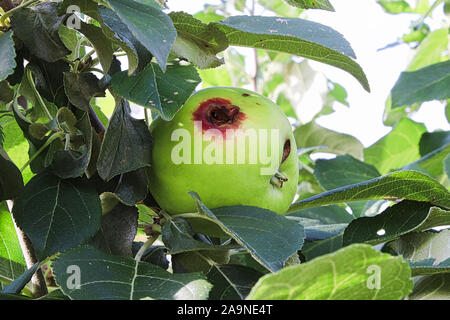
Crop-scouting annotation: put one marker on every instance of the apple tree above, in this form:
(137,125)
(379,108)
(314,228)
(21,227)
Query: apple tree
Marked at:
(85,86)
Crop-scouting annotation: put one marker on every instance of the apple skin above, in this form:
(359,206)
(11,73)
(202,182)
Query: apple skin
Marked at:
(220,185)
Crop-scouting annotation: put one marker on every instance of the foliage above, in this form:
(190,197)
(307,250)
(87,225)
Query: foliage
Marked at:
(73,158)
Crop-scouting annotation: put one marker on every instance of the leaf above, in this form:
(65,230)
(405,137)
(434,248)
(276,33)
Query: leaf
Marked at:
(409,185)
(164,93)
(401,6)
(198,42)
(319,248)
(431,163)
(152,27)
(178,237)
(107,277)
(126,146)
(73,163)
(313,135)
(435,287)
(401,218)
(431,141)
(11,181)
(100,42)
(426,84)
(18,284)
(430,50)
(312,4)
(9,271)
(232,282)
(253,228)
(326,215)
(57,214)
(7,55)
(38,27)
(9,245)
(398,148)
(81,87)
(427,252)
(118,32)
(342,171)
(117,231)
(295,36)
(357,272)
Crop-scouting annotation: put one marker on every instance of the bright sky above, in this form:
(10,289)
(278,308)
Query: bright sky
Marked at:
(367,27)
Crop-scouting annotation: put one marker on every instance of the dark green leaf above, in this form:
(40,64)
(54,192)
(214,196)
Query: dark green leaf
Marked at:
(198,42)
(9,271)
(117,231)
(11,181)
(126,146)
(152,27)
(327,214)
(161,92)
(37,27)
(431,141)
(118,32)
(295,36)
(18,284)
(253,228)
(426,84)
(409,185)
(106,277)
(434,287)
(7,56)
(57,214)
(81,88)
(401,218)
(232,282)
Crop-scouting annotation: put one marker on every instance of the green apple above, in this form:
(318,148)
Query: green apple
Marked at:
(231,146)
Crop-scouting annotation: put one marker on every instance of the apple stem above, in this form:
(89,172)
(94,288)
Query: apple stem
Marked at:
(278,179)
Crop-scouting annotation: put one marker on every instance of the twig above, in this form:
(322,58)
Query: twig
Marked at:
(95,121)
(38,280)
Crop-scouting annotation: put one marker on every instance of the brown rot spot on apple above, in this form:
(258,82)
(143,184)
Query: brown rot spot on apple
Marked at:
(245,95)
(218,113)
(286,150)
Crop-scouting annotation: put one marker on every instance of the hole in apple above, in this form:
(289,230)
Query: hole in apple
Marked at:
(223,114)
(286,150)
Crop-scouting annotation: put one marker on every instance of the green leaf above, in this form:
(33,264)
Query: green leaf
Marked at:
(253,228)
(152,27)
(399,219)
(198,42)
(280,8)
(81,87)
(402,6)
(18,284)
(57,214)
(117,232)
(231,282)
(431,163)
(118,32)
(126,146)
(409,185)
(8,55)
(164,93)
(319,248)
(9,245)
(9,271)
(311,4)
(38,27)
(313,135)
(431,141)
(430,50)
(108,277)
(357,272)
(342,171)
(326,215)
(73,163)
(427,252)
(435,287)
(426,84)
(295,36)
(178,237)
(11,181)
(398,148)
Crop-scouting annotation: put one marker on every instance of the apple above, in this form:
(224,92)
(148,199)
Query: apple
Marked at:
(231,146)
